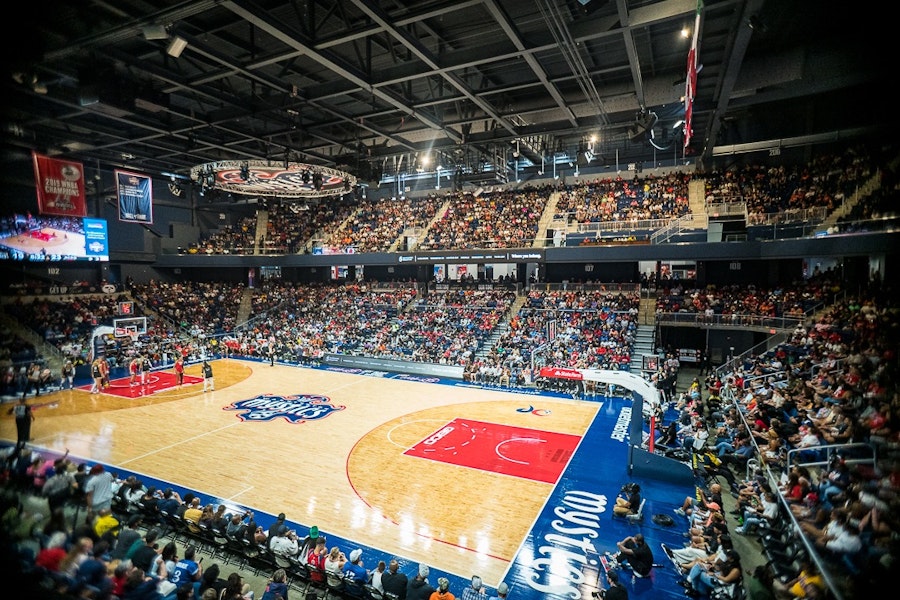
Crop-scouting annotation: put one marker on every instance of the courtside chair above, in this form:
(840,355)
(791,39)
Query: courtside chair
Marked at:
(335,585)
(234,551)
(298,576)
(372,593)
(213,543)
(638,516)
(317,581)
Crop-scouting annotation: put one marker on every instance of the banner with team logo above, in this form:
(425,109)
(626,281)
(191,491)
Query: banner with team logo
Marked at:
(135,195)
(60,186)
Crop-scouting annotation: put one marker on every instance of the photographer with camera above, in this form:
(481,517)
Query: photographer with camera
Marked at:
(616,590)
(629,500)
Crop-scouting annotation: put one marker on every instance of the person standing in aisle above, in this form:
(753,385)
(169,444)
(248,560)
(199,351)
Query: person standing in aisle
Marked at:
(705,364)
(24,419)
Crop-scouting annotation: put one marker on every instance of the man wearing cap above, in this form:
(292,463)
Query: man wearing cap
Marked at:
(473,591)
(395,581)
(443,590)
(284,543)
(99,489)
(354,569)
(419,588)
(502,592)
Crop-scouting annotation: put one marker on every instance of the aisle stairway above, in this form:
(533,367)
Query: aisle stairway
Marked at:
(421,233)
(501,328)
(644,343)
(868,188)
(262,227)
(647,311)
(540,239)
(245,310)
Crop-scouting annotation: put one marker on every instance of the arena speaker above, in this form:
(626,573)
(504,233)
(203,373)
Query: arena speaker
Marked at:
(642,126)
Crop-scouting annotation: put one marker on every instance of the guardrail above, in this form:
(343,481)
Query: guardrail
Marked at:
(733,321)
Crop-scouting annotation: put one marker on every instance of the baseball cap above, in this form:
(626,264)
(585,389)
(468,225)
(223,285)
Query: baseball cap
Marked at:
(354,556)
(313,532)
(504,589)
(423,571)
(443,584)
(714,506)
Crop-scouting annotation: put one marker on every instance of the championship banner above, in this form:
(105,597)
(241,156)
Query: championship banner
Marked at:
(60,186)
(690,85)
(135,194)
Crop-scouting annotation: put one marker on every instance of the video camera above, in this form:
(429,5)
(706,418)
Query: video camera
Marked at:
(630,488)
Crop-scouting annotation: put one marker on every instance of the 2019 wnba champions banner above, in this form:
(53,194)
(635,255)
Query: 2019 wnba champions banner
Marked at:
(60,186)
(135,194)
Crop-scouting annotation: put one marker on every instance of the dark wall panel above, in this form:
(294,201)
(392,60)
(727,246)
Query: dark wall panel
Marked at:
(616,272)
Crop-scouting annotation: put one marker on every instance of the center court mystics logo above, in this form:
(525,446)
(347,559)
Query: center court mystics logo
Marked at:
(294,409)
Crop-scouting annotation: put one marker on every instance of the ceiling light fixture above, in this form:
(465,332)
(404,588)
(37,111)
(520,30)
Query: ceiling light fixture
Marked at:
(176,46)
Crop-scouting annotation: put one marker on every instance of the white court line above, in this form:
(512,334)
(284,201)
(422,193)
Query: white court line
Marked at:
(190,439)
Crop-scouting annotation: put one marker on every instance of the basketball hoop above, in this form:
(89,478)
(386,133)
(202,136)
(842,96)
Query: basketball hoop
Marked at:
(129,331)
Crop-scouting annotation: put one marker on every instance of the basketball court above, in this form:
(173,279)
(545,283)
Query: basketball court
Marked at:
(47,240)
(514,487)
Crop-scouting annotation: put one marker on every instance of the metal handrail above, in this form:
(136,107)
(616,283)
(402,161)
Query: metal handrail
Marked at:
(737,321)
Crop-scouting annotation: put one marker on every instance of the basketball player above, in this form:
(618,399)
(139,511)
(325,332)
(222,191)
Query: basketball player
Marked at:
(145,369)
(68,375)
(134,368)
(179,370)
(97,375)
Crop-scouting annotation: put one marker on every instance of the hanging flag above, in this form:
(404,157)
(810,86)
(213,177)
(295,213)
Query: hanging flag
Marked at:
(60,186)
(135,194)
(690,85)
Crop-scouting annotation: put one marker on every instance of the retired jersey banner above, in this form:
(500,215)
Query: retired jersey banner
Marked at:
(135,194)
(60,186)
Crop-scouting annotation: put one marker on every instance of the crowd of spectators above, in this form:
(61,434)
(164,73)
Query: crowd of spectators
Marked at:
(230,239)
(509,218)
(293,228)
(833,381)
(825,181)
(738,300)
(500,219)
(212,306)
(376,225)
(821,411)
(619,199)
(140,542)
